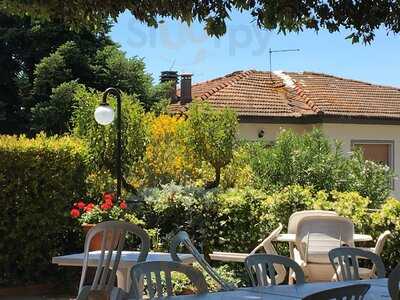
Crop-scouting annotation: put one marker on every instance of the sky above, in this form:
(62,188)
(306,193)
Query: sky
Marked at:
(176,46)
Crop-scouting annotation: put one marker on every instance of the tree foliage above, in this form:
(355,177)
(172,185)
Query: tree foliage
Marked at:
(211,135)
(108,66)
(101,139)
(312,160)
(167,157)
(24,42)
(54,116)
(111,67)
(362,18)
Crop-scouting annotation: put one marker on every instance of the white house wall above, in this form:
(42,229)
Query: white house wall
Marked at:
(346,133)
(249,131)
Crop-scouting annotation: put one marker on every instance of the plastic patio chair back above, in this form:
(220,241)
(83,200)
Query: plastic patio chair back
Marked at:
(323,232)
(296,217)
(269,248)
(261,268)
(113,240)
(157,285)
(345,262)
(183,238)
(267,243)
(355,291)
(381,242)
(393,283)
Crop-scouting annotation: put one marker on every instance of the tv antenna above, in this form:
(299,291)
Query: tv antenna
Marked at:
(172,65)
(277,51)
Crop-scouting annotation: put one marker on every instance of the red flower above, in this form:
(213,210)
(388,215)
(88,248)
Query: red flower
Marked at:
(108,198)
(123,205)
(88,207)
(81,205)
(75,213)
(106,206)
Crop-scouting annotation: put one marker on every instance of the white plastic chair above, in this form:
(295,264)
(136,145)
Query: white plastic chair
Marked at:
(393,283)
(153,270)
(366,273)
(316,236)
(296,217)
(113,240)
(183,238)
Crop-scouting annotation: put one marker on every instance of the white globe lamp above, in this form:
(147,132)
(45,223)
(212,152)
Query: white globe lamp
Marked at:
(104,114)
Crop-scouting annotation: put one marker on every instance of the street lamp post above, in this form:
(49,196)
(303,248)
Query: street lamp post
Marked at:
(104,115)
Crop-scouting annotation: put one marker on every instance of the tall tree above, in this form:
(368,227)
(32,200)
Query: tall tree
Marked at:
(57,75)
(211,136)
(23,43)
(363,18)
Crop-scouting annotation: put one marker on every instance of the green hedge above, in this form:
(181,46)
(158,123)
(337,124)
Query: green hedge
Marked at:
(39,180)
(238,219)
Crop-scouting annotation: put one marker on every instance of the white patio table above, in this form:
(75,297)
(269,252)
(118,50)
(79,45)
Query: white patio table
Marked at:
(128,259)
(283,237)
(377,291)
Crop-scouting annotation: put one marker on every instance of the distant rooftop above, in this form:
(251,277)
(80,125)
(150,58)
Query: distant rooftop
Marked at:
(297,95)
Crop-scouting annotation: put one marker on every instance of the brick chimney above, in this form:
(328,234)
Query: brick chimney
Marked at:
(186,87)
(171,76)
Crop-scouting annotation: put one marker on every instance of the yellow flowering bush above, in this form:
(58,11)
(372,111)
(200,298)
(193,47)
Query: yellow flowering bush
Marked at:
(166,156)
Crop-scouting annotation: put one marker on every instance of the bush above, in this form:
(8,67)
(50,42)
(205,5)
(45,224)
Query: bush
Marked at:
(217,220)
(311,160)
(167,158)
(238,172)
(277,207)
(388,218)
(347,204)
(39,180)
(101,139)
(237,220)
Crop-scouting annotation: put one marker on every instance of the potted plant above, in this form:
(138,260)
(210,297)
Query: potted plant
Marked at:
(91,211)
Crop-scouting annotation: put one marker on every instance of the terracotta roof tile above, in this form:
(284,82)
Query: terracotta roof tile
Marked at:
(255,93)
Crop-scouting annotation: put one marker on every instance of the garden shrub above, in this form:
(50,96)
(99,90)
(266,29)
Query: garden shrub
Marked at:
(167,158)
(305,159)
(388,218)
(277,207)
(312,160)
(100,139)
(39,179)
(370,179)
(215,219)
(238,172)
(347,204)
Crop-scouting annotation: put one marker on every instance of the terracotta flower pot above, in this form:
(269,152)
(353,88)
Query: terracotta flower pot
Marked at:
(95,243)
(187,291)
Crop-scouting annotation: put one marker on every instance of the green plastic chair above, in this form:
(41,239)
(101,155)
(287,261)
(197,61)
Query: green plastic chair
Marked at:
(393,283)
(157,286)
(262,272)
(350,292)
(345,262)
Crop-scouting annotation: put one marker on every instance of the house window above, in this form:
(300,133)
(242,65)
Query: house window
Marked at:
(378,151)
